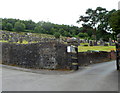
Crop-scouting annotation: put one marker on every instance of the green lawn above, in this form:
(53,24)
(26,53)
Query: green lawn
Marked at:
(99,48)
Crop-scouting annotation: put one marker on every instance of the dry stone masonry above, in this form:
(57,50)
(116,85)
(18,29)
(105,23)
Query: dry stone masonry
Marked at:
(48,55)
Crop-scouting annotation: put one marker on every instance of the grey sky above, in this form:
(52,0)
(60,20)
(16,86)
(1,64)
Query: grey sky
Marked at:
(55,11)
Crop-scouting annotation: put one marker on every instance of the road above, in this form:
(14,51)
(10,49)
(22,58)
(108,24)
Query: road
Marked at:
(96,77)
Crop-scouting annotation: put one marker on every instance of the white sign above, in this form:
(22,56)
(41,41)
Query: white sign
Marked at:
(70,49)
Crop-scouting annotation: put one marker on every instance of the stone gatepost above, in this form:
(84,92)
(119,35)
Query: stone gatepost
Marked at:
(118,52)
(72,50)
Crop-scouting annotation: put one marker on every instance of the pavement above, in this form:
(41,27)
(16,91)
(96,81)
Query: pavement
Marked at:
(95,77)
(39,71)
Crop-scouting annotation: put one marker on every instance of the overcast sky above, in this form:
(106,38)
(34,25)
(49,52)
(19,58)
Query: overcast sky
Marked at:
(55,11)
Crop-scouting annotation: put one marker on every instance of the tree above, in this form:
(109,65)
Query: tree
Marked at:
(3,25)
(53,31)
(97,19)
(38,29)
(67,34)
(30,25)
(87,29)
(115,22)
(61,31)
(83,35)
(19,26)
(47,26)
(11,20)
(57,35)
(9,27)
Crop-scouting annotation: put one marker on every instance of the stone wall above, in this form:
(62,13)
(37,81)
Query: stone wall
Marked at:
(0,53)
(95,57)
(48,55)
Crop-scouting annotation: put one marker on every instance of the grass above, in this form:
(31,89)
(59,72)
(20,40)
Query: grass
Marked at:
(99,48)
(3,41)
(24,42)
(84,43)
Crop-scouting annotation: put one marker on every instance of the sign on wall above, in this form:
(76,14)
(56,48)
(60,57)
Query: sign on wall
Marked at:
(71,49)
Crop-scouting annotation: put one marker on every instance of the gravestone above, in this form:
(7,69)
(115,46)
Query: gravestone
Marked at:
(11,39)
(78,40)
(101,42)
(15,39)
(87,41)
(90,43)
(110,41)
(105,44)
(5,37)
(0,35)
(95,43)
(21,40)
(27,38)
(118,38)
(84,40)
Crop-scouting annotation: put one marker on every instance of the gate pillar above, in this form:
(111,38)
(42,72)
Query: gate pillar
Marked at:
(73,53)
(118,52)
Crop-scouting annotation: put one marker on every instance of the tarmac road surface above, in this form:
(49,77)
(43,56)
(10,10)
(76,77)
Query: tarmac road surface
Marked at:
(96,77)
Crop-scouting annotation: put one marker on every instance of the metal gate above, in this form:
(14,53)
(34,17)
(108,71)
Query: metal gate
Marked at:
(118,52)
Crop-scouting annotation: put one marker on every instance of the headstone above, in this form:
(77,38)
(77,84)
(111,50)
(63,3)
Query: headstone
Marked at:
(110,41)
(78,40)
(21,40)
(101,42)
(84,41)
(105,44)
(11,39)
(95,43)
(90,43)
(5,37)
(0,35)
(118,38)
(87,41)
(16,39)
